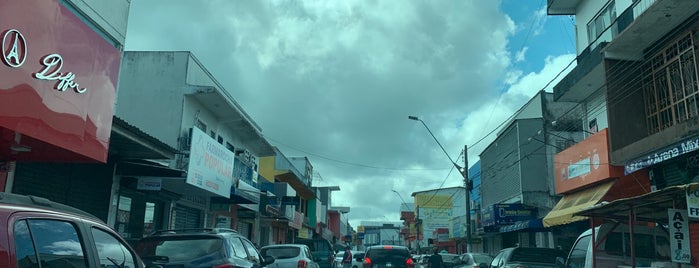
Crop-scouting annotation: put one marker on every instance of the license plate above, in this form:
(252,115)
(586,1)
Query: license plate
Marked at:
(388,264)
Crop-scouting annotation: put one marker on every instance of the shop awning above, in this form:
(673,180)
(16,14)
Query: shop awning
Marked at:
(145,168)
(563,212)
(533,224)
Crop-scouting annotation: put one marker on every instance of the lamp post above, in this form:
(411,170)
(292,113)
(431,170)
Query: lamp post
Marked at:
(464,174)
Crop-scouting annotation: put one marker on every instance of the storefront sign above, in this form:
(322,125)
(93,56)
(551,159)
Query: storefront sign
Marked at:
(679,236)
(210,164)
(692,197)
(500,214)
(223,222)
(297,223)
(149,184)
(584,164)
(662,155)
(43,60)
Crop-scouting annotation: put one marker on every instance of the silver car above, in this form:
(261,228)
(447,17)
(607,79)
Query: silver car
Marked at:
(289,256)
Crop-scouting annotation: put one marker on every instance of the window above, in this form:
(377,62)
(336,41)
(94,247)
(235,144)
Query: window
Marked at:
(579,252)
(669,85)
(599,23)
(52,243)
(238,248)
(111,251)
(252,251)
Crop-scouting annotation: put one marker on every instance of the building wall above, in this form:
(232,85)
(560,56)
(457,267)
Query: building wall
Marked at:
(109,16)
(148,76)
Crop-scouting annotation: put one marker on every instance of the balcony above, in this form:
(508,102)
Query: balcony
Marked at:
(584,79)
(643,24)
(562,7)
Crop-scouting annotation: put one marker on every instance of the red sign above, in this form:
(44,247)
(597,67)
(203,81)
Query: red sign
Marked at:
(58,81)
(584,163)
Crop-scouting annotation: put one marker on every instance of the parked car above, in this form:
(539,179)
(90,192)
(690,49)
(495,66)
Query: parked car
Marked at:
(526,257)
(474,260)
(199,248)
(289,256)
(38,232)
(387,256)
(322,250)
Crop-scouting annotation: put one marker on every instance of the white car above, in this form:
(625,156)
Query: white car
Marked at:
(289,256)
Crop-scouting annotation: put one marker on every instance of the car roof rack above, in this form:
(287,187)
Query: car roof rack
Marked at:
(194,231)
(41,202)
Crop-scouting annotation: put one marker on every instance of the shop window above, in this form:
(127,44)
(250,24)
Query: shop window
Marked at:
(669,85)
(111,251)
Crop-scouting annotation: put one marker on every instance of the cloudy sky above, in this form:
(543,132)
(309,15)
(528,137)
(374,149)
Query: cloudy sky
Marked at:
(336,80)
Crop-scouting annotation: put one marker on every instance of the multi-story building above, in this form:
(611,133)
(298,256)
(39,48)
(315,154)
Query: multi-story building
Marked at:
(517,176)
(636,83)
(218,144)
(434,211)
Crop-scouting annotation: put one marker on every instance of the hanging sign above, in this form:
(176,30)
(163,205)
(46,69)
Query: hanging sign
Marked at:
(692,198)
(679,235)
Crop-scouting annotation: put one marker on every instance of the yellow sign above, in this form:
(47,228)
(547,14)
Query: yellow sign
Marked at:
(360,229)
(433,201)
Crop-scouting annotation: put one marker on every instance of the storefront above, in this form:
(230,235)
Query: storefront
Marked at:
(58,79)
(585,178)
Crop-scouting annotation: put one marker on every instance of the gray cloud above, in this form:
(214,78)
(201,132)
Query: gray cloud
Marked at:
(336,80)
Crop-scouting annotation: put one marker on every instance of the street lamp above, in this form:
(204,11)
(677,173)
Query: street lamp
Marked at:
(464,174)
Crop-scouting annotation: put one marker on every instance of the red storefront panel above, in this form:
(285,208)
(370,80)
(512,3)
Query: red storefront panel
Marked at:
(585,163)
(57,84)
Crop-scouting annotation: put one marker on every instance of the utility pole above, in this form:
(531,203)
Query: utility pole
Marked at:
(418,232)
(467,187)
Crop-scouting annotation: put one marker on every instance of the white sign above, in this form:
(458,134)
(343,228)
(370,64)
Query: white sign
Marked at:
(693,201)
(679,235)
(210,165)
(149,184)
(223,222)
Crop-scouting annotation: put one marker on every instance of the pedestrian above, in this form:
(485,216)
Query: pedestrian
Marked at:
(435,260)
(347,258)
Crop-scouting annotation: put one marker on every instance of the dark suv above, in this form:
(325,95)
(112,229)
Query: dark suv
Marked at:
(204,247)
(36,232)
(322,251)
(388,257)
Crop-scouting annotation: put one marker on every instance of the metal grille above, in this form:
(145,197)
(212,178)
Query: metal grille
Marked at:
(186,217)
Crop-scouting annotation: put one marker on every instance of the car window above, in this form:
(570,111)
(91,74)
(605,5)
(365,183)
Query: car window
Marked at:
(579,252)
(542,255)
(238,248)
(281,252)
(479,258)
(496,261)
(111,251)
(252,251)
(52,243)
(172,247)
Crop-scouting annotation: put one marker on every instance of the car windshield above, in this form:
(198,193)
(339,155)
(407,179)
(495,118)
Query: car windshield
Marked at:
(281,252)
(178,249)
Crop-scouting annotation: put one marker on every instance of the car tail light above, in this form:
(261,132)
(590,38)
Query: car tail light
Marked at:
(367,262)
(409,263)
(302,264)
(227,265)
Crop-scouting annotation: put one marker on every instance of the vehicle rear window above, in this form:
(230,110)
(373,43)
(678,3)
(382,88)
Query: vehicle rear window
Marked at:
(391,255)
(173,248)
(281,252)
(541,255)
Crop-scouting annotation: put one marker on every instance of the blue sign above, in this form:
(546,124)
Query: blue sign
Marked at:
(502,214)
(662,155)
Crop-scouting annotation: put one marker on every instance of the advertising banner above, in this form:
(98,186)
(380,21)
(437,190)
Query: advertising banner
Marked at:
(679,235)
(210,165)
(693,201)
(505,214)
